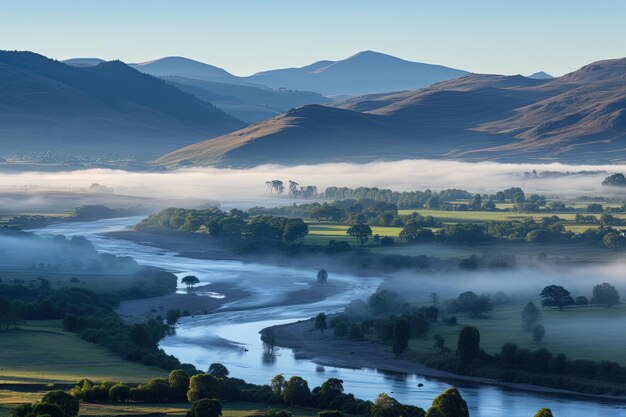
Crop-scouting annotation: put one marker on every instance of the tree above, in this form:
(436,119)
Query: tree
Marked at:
(218,371)
(605,294)
(119,393)
(474,305)
(544,412)
(614,241)
(530,316)
(295,229)
(173,316)
(320,322)
(330,389)
(618,180)
(68,403)
(361,232)
(278,384)
(322,276)
(202,386)
(556,296)
(179,384)
(448,404)
(190,281)
(538,333)
(414,232)
(205,408)
(46,409)
(401,334)
(468,345)
(386,406)
(296,391)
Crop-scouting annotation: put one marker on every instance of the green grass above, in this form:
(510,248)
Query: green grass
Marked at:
(41,352)
(322,233)
(11,399)
(594,333)
(483,216)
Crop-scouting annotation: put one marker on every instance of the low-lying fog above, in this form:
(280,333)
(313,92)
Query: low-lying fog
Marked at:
(523,283)
(246,186)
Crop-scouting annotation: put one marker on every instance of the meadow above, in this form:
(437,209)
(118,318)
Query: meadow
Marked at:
(41,352)
(577,332)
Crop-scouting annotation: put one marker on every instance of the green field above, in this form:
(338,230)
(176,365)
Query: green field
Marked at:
(41,352)
(322,233)
(447,216)
(10,399)
(594,333)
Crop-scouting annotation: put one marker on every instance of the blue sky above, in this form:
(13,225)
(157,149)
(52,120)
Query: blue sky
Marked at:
(245,36)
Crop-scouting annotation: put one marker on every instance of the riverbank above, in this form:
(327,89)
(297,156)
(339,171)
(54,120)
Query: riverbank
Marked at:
(326,350)
(195,303)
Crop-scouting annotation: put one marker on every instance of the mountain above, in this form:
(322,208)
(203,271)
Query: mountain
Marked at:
(176,66)
(83,62)
(47,105)
(248,103)
(578,118)
(540,76)
(365,72)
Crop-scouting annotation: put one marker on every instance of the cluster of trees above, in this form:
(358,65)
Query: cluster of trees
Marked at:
(197,388)
(404,200)
(53,404)
(92,315)
(295,190)
(548,230)
(538,367)
(386,315)
(556,296)
(235,225)
(531,315)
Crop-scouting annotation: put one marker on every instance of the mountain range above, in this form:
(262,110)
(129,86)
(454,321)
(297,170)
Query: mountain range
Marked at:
(579,117)
(47,105)
(365,72)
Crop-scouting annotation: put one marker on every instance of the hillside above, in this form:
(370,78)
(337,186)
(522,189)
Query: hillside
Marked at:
(246,102)
(176,66)
(365,72)
(47,105)
(580,117)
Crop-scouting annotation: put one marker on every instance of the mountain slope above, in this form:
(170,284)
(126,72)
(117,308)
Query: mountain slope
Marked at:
(245,102)
(46,105)
(365,72)
(176,66)
(580,117)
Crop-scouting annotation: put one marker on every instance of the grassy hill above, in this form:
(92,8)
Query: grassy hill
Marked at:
(47,105)
(580,118)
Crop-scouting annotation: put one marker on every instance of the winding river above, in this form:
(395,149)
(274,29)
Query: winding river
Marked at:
(231,336)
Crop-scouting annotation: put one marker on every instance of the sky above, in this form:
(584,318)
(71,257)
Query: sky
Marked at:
(246,36)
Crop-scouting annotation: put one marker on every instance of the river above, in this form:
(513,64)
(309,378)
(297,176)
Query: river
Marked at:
(231,337)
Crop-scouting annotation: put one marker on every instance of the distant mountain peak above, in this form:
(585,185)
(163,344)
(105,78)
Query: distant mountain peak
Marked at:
(540,75)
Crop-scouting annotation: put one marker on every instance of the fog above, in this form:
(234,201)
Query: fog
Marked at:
(246,186)
(519,283)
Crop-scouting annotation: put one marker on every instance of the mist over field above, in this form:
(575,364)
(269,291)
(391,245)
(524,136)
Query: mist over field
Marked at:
(229,185)
(523,283)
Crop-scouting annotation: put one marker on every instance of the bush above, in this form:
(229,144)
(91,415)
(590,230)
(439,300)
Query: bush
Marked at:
(205,408)
(68,404)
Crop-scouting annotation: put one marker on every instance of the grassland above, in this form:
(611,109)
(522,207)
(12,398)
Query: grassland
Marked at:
(41,352)
(594,333)
(447,216)
(322,233)
(9,399)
